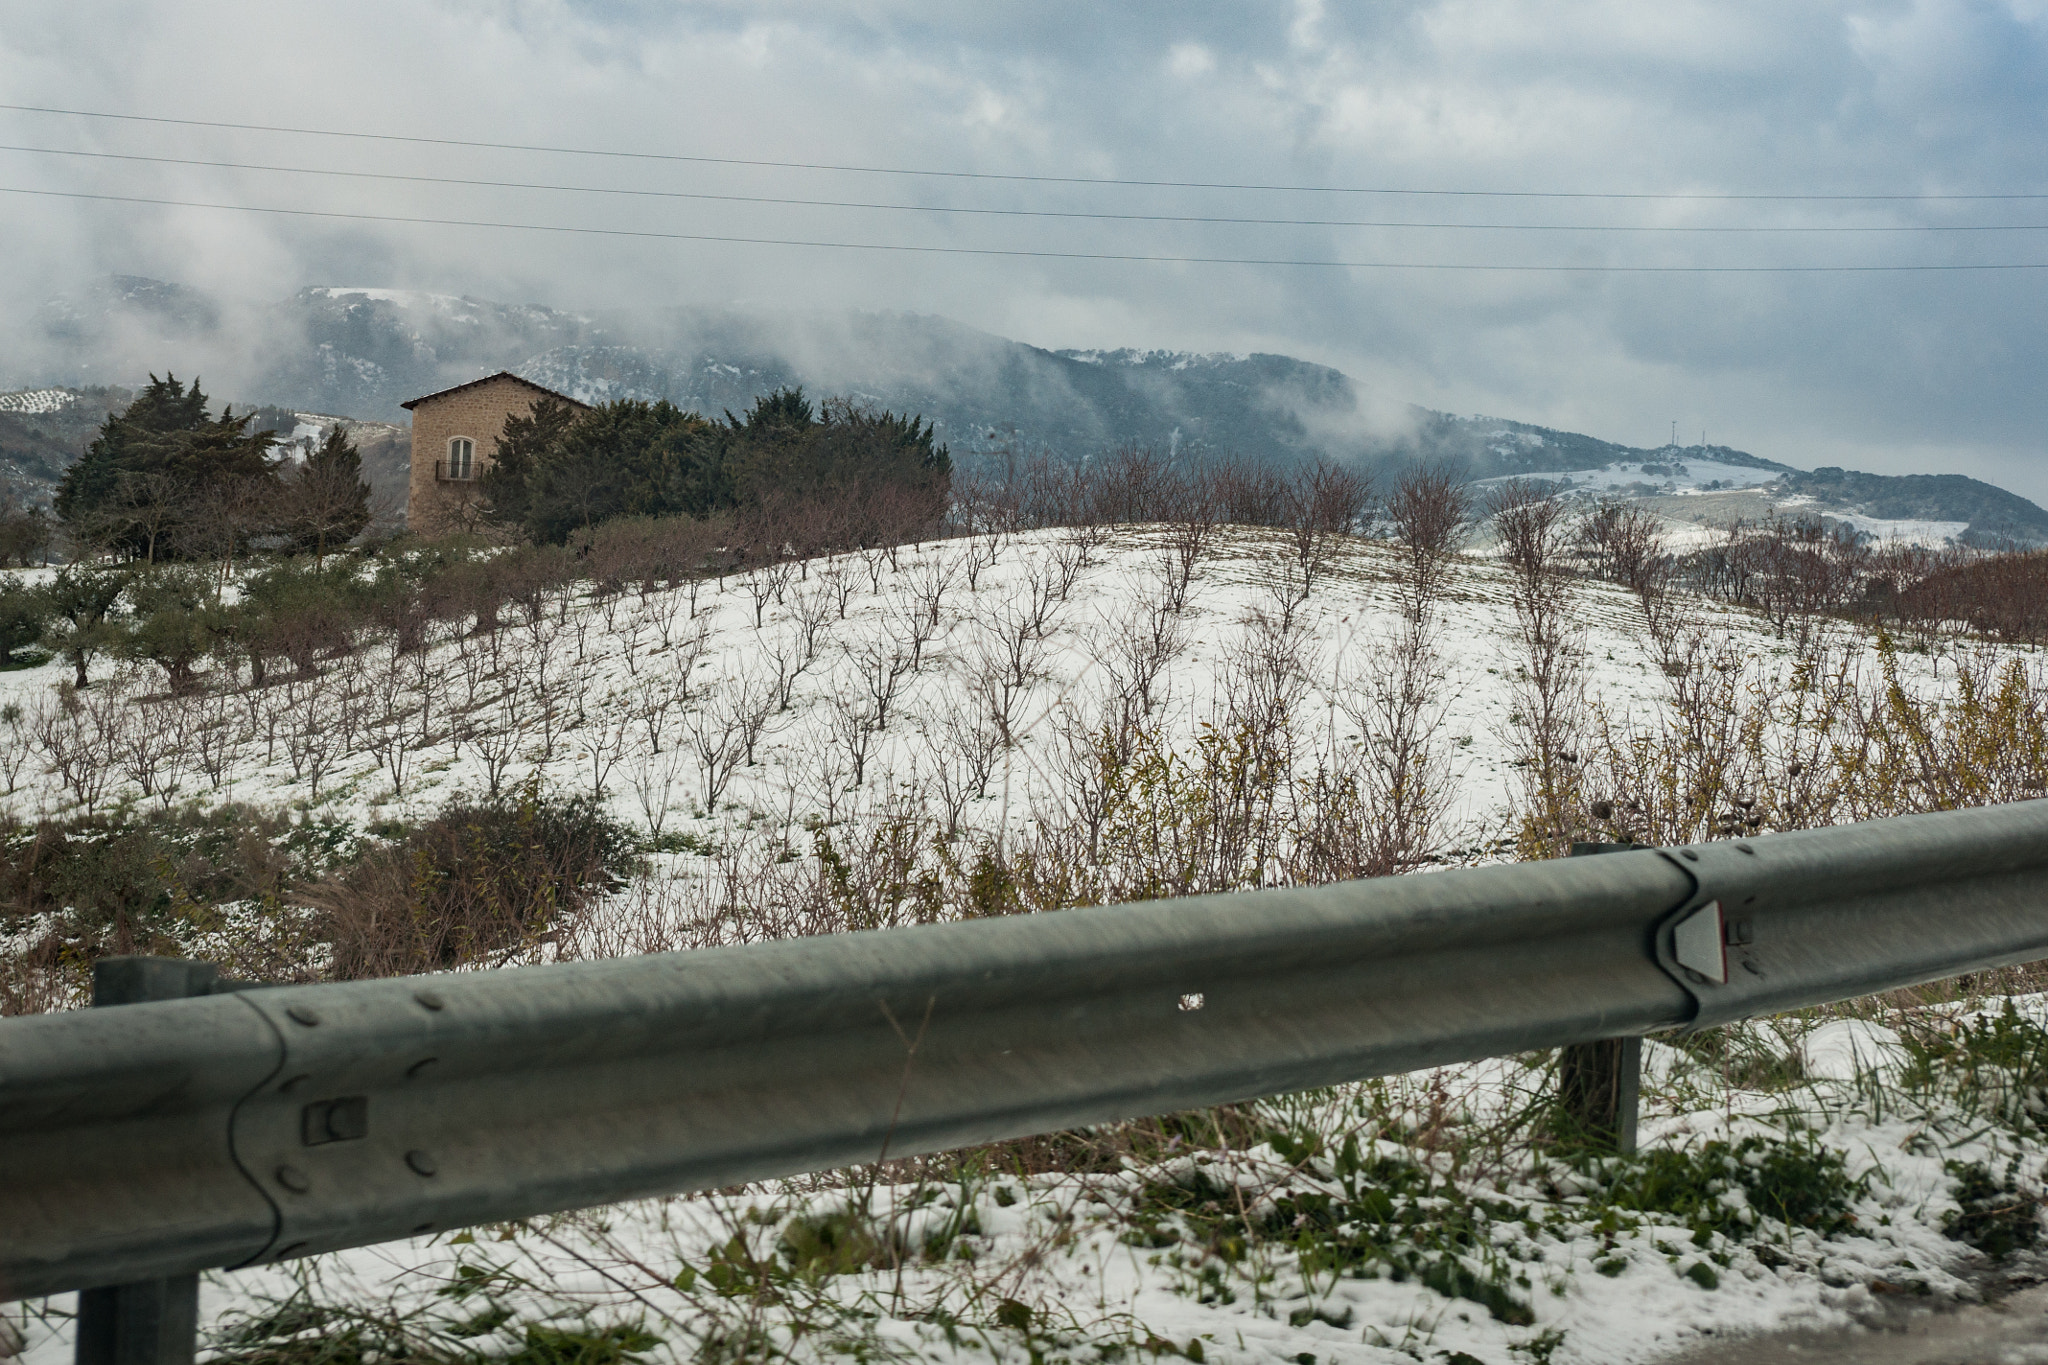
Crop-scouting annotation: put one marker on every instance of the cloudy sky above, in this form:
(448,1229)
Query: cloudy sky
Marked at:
(1387,136)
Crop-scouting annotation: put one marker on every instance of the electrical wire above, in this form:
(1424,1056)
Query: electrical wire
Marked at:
(1002,176)
(702,196)
(1038,254)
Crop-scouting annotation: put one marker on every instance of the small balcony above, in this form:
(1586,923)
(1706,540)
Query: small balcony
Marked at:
(454,471)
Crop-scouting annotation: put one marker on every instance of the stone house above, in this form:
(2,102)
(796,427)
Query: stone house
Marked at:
(454,439)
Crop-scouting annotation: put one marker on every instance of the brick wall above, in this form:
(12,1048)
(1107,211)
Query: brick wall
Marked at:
(433,505)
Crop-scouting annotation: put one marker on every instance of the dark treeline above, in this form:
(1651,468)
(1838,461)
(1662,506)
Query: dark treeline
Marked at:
(165,479)
(834,475)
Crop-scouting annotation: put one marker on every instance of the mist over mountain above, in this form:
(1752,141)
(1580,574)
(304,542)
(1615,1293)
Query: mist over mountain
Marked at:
(361,352)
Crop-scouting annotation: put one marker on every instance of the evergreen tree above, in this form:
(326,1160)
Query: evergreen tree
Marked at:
(139,487)
(23,610)
(559,471)
(326,502)
(82,598)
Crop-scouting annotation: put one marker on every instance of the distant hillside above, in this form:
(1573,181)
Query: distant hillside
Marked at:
(1994,514)
(365,351)
(43,430)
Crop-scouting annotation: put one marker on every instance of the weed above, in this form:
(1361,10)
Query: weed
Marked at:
(1995,1215)
(1733,1188)
(1996,1066)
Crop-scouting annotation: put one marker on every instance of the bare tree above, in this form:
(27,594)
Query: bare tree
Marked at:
(605,734)
(1545,731)
(654,782)
(1325,502)
(722,731)
(880,664)
(312,744)
(1190,536)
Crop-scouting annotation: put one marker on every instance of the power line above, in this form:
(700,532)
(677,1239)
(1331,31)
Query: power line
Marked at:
(702,196)
(1040,255)
(996,175)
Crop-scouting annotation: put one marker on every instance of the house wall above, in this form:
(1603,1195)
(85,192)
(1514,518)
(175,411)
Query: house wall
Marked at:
(435,505)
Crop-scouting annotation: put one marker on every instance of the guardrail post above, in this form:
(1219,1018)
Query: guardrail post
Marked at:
(154,1322)
(1599,1083)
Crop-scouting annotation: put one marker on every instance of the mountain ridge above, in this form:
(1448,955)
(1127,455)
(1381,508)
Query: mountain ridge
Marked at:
(364,350)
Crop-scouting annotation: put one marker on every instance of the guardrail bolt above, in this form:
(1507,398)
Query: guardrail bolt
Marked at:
(1600,1083)
(153,1322)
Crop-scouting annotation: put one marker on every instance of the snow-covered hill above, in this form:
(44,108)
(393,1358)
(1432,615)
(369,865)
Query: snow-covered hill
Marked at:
(852,721)
(855,688)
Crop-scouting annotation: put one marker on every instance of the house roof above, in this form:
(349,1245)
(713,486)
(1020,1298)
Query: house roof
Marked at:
(502,374)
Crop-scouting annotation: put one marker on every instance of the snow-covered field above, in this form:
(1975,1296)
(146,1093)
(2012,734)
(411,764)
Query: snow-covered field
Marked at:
(1677,475)
(839,694)
(636,690)
(34,401)
(1713,485)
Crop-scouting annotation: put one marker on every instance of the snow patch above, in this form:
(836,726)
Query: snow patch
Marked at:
(35,401)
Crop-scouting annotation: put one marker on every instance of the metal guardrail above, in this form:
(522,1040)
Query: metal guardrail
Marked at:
(155,1140)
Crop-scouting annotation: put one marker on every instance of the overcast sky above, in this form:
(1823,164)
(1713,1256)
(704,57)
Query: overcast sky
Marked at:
(1895,372)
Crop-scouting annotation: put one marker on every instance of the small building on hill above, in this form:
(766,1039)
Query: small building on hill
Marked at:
(454,440)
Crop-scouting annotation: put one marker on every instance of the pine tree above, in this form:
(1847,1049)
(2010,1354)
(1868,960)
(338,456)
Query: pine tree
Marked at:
(326,503)
(139,487)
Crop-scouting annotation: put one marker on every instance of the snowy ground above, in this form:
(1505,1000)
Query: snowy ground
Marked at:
(34,401)
(629,688)
(1194,1249)
(1447,1243)
(1698,498)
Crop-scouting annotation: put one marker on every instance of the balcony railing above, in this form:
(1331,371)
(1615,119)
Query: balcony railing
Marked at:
(445,472)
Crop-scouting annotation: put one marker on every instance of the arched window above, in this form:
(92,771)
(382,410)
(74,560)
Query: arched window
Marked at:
(461,463)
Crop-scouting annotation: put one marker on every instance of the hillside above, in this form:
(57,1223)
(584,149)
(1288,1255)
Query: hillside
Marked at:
(1993,514)
(364,351)
(813,748)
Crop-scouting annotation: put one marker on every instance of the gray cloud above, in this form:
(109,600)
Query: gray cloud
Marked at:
(1888,372)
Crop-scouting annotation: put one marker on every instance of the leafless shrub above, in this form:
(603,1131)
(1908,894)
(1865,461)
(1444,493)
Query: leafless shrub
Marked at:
(604,735)
(1249,494)
(654,782)
(1144,645)
(1427,512)
(911,622)
(851,724)
(788,663)
(312,744)
(725,728)
(880,665)
(1402,776)
(1191,526)
(970,737)
(497,734)
(76,740)
(767,584)
(17,746)
(1007,658)
(264,712)
(1124,487)
(216,737)
(1325,502)
(1396,789)
(811,613)
(1545,732)
(393,734)
(930,578)
(150,748)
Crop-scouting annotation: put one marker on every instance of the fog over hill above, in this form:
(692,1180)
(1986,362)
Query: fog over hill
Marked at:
(364,351)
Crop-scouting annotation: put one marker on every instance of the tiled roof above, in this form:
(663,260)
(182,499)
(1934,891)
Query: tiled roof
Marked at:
(502,374)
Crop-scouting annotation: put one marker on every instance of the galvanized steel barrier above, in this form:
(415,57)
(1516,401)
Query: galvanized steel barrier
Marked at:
(155,1140)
